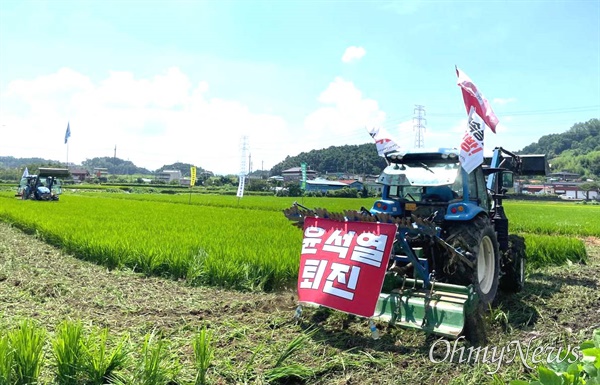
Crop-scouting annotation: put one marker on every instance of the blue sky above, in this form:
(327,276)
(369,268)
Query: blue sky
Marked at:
(170,81)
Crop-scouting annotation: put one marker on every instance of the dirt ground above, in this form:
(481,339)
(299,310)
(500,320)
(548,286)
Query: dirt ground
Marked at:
(560,306)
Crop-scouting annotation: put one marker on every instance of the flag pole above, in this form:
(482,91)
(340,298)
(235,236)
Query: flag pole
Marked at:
(67,135)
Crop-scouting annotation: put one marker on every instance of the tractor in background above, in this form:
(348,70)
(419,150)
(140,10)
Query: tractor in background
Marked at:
(452,250)
(45,186)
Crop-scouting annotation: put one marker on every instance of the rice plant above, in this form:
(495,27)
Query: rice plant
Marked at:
(216,242)
(203,354)
(6,361)
(553,218)
(244,249)
(294,371)
(27,341)
(98,362)
(155,366)
(67,351)
(266,203)
(545,250)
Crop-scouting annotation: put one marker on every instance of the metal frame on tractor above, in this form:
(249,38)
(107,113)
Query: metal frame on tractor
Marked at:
(452,248)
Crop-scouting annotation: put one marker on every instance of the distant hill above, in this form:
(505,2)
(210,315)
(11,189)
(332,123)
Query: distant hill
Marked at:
(12,168)
(12,162)
(185,169)
(357,159)
(576,150)
(114,165)
(580,139)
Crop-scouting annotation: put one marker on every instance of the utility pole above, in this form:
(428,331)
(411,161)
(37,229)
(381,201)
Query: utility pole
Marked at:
(419,123)
(250,163)
(115,154)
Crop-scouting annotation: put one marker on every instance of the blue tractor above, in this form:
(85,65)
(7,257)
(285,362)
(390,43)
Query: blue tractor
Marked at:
(46,185)
(452,250)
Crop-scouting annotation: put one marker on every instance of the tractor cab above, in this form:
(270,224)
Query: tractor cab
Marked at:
(430,184)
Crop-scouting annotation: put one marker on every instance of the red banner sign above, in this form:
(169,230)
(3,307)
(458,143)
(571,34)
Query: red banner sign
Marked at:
(343,264)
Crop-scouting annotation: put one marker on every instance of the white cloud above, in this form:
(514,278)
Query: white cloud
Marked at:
(167,118)
(152,121)
(504,101)
(344,116)
(353,53)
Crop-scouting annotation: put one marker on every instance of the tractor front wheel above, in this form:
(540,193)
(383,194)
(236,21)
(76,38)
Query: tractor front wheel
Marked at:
(478,238)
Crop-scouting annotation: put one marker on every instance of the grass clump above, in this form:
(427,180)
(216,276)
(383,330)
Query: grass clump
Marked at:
(67,350)
(27,341)
(6,360)
(156,365)
(203,354)
(101,364)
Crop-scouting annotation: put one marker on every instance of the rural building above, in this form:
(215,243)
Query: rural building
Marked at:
(566,190)
(571,190)
(565,176)
(352,183)
(295,174)
(168,176)
(101,173)
(276,179)
(79,175)
(324,185)
(370,181)
(375,187)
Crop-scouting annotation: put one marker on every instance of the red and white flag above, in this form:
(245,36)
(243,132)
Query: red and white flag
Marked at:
(474,98)
(471,147)
(383,141)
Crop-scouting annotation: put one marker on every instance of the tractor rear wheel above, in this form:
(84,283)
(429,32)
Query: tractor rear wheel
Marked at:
(513,265)
(478,238)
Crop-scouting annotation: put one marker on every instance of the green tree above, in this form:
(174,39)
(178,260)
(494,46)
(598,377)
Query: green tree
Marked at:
(590,186)
(257,185)
(293,189)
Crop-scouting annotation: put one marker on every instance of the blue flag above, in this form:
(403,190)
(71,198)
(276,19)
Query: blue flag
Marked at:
(68,133)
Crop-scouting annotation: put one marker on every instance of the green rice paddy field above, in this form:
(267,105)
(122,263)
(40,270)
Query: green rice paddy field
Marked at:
(230,266)
(243,244)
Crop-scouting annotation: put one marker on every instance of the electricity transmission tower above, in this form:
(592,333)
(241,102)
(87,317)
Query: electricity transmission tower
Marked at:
(242,175)
(419,123)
